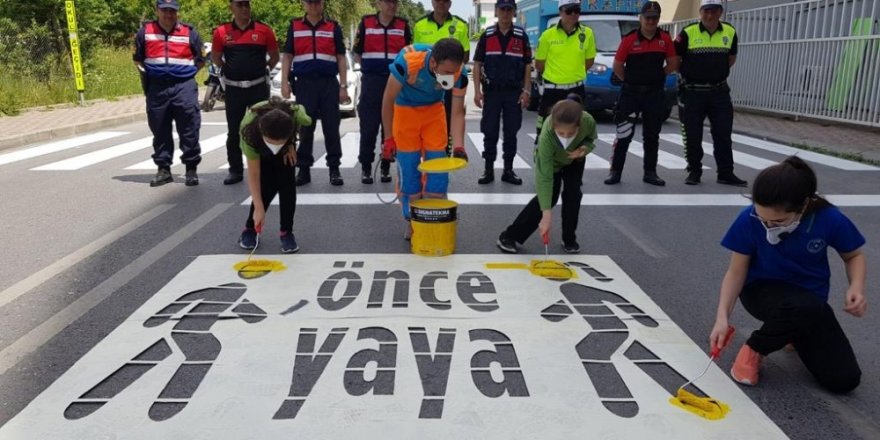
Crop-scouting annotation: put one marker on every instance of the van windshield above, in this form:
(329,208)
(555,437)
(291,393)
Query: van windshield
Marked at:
(608,33)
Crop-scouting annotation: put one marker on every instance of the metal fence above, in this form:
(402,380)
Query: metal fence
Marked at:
(813,58)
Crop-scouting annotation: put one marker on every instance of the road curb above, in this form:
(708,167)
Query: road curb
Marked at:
(69,130)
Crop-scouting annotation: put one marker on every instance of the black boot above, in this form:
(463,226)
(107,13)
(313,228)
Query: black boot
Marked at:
(385,170)
(192,177)
(613,178)
(488,174)
(335,177)
(304,176)
(510,177)
(652,178)
(163,176)
(693,177)
(366,174)
(728,178)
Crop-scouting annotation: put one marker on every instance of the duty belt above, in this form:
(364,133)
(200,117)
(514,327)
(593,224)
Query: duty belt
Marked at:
(243,84)
(548,85)
(704,86)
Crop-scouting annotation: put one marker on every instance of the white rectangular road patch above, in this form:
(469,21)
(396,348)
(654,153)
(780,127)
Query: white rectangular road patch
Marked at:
(518,162)
(207,146)
(378,344)
(821,159)
(351,148)
(54,147)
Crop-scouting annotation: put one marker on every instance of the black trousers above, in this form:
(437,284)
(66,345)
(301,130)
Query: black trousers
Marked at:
(498,106)
(549,98)
(176,101)
(693,108)
(277,178)
(633,101)
(794,315)
(320,99)
(567,181)
(237,102)
(370,115)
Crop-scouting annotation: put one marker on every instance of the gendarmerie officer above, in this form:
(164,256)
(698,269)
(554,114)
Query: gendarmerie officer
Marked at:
(707,50)
(502,67)
(169,53)
(244,49)
(379,38)
(644,57)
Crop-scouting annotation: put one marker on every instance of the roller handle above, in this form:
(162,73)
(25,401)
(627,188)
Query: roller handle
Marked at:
(716,351)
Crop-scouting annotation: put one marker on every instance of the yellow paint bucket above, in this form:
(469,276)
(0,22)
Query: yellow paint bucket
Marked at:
(434,223)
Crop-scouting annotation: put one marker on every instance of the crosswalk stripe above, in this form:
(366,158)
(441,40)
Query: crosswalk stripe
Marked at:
(611,199)
(207,145)
(594,161)
(746,160)
(351,146)
(477,140)
(225,166)
(664,159)
(821,159)
(95,157)
(53,147)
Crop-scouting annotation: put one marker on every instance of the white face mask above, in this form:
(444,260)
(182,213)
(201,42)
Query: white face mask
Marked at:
(274,147)
(445,81)
(777,233)
(565,141)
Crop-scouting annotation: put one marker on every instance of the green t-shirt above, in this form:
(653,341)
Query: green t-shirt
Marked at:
(550,157)
(300,118)
(428,31)
(564,54)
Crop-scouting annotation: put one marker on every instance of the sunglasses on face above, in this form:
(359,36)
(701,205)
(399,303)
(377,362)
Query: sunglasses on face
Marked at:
(571,11)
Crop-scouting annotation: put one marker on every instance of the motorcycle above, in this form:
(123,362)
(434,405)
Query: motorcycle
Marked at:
(216,91)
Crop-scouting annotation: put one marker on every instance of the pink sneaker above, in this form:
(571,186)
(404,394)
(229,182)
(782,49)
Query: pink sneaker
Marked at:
(747,366)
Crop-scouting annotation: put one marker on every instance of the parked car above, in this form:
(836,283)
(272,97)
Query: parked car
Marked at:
(353,86)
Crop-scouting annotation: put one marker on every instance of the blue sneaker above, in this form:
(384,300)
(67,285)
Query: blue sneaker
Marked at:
(288,243)
(248,239)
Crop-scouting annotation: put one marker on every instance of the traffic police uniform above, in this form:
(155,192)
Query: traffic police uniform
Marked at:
(565,55)
(704,92)
(504,58)
(314,48)
(642,93)
(171,61)
(427,31)
(377,45)
(245,78)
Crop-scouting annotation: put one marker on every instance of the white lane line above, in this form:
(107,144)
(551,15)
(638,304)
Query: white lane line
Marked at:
(62,145)
(96,157)
(225,166)
(664,159)
(855,200)
(746,160)
(594,162)
(477,141)
(207,145)
(821,159)
(22,287)
(351,147)
(37,337)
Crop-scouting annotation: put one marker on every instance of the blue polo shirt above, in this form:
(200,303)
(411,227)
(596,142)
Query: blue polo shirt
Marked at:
(425,90)
(800,258)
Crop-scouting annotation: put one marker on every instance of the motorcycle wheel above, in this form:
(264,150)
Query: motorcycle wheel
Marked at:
(210,98)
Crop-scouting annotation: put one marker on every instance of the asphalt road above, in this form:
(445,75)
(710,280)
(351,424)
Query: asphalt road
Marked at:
(86,246)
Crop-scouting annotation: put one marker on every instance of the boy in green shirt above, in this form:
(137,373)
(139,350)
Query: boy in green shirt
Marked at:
(568,135)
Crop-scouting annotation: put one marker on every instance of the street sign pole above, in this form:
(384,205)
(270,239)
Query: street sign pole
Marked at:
(76,58)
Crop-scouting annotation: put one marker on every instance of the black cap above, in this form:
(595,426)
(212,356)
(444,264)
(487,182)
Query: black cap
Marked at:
(166,4)
(651,9)
(505,4)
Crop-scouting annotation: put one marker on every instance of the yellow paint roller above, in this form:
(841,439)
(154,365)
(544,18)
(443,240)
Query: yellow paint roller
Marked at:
(705,407)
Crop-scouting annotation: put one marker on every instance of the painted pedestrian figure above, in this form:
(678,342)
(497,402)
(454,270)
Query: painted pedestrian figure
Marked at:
(196,312)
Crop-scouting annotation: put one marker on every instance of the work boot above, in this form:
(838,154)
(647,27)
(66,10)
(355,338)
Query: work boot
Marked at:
(366,175)
(652,178)
(335,177)
(613,178)
(488,175)
(232,178)
(747,366)
(385,170)
(304,176)
(728,178)
(191,177)
(510,177)
(162,177)
(693,177)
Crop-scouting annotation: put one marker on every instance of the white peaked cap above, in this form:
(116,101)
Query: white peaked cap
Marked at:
(569,2)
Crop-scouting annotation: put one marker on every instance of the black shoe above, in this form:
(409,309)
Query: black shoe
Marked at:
(652,178)
(163,176)
(232,178)
(613,178)
(385,170)
(192,178)
(303,177)
(366,176)
(729,178)
(510,177)
(693,178)
(335,177)
(571,247)
(487,177)
(507,245)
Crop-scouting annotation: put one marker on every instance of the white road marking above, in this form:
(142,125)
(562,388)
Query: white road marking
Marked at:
(53,147)
(351,146)
(746,160)
(664,159)
(207,145)
(518,162)
(821,159)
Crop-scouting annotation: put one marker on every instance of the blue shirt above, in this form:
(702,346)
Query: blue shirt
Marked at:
(801,258)
(425,90)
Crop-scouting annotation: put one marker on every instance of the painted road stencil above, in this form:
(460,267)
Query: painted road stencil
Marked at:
(390,346)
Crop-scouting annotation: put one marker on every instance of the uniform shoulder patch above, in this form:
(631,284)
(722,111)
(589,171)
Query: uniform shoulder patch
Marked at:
(455,17)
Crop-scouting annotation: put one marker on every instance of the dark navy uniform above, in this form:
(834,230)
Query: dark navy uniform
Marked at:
(171,60)
(244,75)
(377,45)
(314,48)
(504,58)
